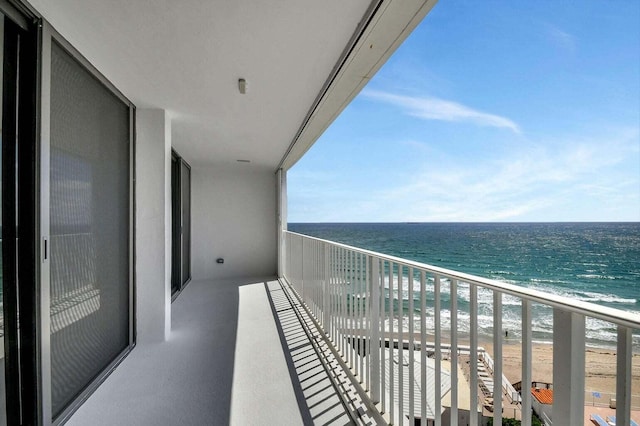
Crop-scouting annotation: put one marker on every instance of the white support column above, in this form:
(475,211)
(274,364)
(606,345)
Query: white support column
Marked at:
(497,358)
(473,355)
(568,367)
(623,386)
(438,348)
(527,336)
(282,219)
(453,353)
(153,225)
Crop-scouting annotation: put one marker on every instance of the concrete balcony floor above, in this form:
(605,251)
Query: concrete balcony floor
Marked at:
(237,354)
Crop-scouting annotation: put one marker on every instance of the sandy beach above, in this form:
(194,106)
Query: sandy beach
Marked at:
(600,368)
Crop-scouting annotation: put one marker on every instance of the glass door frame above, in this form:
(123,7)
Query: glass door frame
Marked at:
(19,214)
(177,226)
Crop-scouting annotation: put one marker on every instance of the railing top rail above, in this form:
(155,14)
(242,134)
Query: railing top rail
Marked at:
(616,316)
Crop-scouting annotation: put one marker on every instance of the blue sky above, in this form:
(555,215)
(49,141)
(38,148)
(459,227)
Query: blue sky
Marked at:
(490,111)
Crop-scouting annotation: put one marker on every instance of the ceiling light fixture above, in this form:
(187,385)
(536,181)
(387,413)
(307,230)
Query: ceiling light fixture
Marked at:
(242,85)
(243,161)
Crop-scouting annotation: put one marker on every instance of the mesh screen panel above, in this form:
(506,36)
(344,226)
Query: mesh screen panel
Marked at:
(89,214)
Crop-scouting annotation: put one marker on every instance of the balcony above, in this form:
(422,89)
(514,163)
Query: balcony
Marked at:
(238,354)
(249,352)
(325,343)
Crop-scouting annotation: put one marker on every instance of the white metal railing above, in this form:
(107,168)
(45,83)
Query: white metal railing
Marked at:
(370,303)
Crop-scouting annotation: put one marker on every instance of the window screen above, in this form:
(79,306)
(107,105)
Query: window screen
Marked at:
(89,214)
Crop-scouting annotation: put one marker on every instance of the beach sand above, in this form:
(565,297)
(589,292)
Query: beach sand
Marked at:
(600,368)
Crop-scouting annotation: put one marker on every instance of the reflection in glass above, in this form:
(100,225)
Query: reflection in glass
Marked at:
(89,217)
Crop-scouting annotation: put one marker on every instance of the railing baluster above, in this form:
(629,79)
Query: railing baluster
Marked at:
(366,319)
(336,296)
(392,337)
(360,318)
(527,336)
(343,304)
(347,303)
(320,294)
(290,266)
(345,332)
(400,344)
(375,285)
(354,314)
(359,357)
(623,368)
(318,281)
(332,297)
(453,351)
(497,357)
(340,284)
(302,280)
(412,419)
(326,282)
(438,347)
(309,275)
(473,355)
(383,349)
(423,349)
(367,323)
(313,276)
(350,306)
(356,321)
(350,313)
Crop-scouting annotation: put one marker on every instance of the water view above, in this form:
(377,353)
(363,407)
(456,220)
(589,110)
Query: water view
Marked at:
(593,262)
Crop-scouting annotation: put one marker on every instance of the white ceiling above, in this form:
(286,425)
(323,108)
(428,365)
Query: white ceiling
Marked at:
(186,57)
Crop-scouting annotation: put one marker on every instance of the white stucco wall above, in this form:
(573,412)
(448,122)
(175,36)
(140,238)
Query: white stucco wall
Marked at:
(234,217)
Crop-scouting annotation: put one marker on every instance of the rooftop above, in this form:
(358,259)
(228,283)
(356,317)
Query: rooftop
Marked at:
(544,396)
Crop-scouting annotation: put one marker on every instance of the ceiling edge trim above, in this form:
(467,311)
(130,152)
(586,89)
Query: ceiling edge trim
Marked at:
(353,41)
(382,15)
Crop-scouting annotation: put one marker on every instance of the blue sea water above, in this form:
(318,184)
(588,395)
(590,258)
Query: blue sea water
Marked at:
(594,262)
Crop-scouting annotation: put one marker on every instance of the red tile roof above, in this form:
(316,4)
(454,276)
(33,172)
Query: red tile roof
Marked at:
(544,396)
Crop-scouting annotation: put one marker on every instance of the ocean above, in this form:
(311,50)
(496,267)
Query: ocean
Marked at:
(593,262)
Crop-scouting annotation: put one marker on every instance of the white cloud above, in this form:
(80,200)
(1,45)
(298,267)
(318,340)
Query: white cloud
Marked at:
(575,178)
(539,183)
(431,108)
(561,38)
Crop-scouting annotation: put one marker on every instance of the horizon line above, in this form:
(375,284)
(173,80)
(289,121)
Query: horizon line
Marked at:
(472,222)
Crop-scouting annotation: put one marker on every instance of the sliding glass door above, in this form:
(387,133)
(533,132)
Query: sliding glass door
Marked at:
(66,231)
(181,223)
(89,217)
